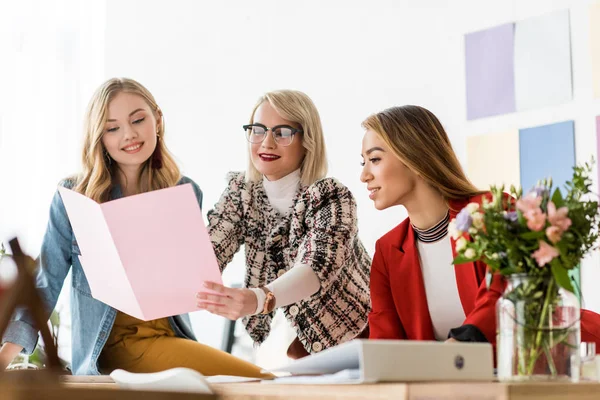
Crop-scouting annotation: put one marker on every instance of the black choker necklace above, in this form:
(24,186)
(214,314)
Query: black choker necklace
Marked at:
(434,233)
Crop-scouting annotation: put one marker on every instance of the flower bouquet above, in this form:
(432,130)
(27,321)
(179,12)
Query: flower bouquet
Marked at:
(534,240)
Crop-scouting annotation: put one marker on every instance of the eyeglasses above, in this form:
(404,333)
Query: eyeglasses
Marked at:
(282,134)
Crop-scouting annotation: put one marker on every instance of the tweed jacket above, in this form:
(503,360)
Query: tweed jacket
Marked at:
(321,231)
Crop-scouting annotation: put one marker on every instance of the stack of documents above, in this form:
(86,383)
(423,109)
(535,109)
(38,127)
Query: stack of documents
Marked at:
(369,361)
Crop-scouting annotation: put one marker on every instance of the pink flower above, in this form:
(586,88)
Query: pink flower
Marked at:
(558,217)
(554,234)
(544,254)
(528,203)
(536,219)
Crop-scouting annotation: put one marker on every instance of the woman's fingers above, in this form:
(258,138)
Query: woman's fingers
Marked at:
(213,298)
(212,307)
(215,287)
(228,302)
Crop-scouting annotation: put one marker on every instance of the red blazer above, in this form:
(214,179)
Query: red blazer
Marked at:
(399,302)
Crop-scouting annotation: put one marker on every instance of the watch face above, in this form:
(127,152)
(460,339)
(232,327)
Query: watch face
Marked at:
(270,302)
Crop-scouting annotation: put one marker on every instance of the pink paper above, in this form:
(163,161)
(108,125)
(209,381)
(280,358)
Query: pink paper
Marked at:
(145,255)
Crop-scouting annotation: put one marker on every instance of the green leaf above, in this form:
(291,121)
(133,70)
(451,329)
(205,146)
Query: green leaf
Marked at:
(460,259)
(532,235)
(574,274)
(561,275)
(557,198)
(509,271)
(538,295)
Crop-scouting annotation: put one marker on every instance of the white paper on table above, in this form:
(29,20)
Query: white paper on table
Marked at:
(171,380)
(230,379)
(347,377)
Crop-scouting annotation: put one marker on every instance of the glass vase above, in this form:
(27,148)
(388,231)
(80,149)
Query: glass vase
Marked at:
(538,333)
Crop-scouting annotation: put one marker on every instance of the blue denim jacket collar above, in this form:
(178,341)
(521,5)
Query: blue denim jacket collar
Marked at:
(116,192)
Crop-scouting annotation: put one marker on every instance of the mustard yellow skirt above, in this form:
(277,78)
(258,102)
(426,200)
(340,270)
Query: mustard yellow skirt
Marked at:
(139,346)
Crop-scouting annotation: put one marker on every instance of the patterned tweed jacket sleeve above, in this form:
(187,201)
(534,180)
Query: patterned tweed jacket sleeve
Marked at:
(321,231)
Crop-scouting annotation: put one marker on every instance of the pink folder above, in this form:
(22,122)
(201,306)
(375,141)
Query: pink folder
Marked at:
(146,255)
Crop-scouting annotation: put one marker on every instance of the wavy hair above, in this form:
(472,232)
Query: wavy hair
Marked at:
(418,139)
(97,177)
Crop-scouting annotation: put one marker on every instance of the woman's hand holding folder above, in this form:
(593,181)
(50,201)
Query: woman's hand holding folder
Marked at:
(231,303)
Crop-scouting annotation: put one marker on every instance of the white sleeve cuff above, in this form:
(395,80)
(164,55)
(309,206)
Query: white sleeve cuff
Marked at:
(295,285)
(260,299)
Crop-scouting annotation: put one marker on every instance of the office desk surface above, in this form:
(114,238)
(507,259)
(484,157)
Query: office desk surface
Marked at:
(88,392)
(399,391)
(412,391)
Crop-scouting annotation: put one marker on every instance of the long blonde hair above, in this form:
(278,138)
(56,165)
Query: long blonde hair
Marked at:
(419,140)
(297,107)
(98,173)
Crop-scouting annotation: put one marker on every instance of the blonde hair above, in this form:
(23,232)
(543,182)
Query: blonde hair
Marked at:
(419,140)
(297,107)
(96,178)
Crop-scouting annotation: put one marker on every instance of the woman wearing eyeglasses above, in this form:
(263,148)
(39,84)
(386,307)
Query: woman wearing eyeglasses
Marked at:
(299,230)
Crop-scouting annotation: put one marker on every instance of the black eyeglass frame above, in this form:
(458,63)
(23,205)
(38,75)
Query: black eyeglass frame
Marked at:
(249,126)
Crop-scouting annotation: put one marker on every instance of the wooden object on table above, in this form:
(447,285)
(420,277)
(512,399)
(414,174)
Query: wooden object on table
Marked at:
(24,293)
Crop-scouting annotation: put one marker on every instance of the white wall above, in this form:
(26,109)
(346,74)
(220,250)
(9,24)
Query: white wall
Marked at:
(207,62)
(52,58)
(582,109)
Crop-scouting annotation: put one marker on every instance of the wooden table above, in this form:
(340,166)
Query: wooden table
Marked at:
(504,391)
(395,391)
(17,392)
(255,391)
(412,391)
(33,386)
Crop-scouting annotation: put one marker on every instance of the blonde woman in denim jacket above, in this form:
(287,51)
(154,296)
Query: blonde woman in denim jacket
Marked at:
(124,154)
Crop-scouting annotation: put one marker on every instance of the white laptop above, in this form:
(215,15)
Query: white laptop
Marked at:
(369,361)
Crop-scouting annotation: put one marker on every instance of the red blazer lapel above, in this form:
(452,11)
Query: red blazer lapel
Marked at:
(407,279)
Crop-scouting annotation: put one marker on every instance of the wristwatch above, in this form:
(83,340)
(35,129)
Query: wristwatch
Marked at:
(269,305)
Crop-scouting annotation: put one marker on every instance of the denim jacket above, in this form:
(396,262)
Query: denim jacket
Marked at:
(92,320)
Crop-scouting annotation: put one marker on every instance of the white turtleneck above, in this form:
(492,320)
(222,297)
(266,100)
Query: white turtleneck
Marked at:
(282,191)
(301,281)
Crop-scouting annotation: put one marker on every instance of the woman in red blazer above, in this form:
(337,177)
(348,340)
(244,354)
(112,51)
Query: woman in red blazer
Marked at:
(409,161)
